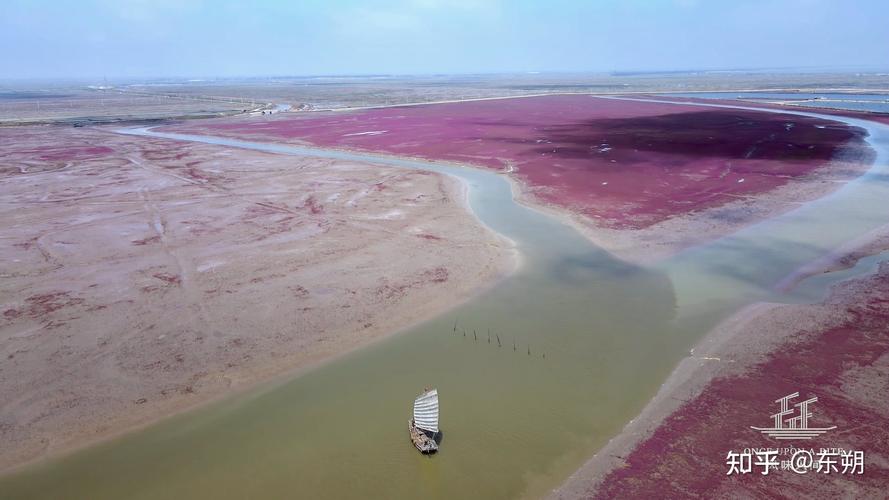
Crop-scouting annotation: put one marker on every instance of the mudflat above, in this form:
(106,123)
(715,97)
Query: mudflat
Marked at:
(142,277)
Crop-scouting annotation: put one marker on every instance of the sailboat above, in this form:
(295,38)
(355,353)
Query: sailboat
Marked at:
(424,425)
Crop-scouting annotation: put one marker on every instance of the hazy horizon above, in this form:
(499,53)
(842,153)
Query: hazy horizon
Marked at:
(185,78)
(133,39)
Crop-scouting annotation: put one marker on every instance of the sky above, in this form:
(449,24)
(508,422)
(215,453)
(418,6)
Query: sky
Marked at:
(206,38)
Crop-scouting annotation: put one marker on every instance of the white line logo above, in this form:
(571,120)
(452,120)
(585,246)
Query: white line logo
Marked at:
(796,427)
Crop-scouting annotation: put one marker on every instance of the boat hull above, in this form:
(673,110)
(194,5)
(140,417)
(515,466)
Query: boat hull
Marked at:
(422,441)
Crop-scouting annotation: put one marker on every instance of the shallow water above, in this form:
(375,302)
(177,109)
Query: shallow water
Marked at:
(515,423)
(835,100)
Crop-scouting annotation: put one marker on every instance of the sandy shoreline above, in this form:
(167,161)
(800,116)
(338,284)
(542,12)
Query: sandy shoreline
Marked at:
(845,257)
(148,277)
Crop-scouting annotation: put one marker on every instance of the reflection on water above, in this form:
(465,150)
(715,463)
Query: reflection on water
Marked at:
(582,342)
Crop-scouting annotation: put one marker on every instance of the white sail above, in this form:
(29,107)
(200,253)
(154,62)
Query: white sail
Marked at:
(426,411)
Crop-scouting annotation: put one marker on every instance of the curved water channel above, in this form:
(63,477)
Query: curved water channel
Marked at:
(515,423)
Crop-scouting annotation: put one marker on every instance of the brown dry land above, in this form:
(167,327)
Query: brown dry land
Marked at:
(81,105)
(141,277)
(837,350)
(337,92)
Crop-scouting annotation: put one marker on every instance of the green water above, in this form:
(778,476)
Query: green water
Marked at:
(602,335)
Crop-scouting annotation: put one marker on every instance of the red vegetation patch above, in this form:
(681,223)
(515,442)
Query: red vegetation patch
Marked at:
(628,164)
(393,291)
(26,245)
(172,279)
(67,153)
(157,152)
(53,152)
(437,275)
(37,306)
(312,204)
(196,174)
(146,241)
(398,290)
(260,211)
(845,367)
(429,237)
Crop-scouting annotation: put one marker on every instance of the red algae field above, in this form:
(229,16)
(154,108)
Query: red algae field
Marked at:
(842,357)
(623,164)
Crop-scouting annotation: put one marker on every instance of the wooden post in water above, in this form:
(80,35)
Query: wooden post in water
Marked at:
(475,335)
(529,350)
(455,325)
(498,341)
(489,335)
